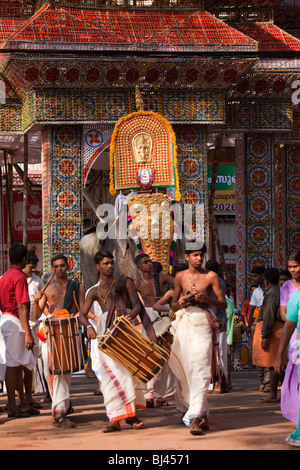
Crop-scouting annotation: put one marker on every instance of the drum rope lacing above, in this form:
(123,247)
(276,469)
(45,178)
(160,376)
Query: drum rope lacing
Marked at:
(139,345)
(54,352)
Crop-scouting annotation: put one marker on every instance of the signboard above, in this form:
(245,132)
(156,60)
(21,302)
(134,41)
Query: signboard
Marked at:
(35,221)
(224,203)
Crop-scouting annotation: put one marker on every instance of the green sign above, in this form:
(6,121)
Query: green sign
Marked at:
(225,179)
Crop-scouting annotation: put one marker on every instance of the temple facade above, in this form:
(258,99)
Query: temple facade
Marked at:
(226,75)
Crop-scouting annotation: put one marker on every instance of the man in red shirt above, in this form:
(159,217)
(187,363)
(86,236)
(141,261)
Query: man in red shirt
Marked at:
(17,340)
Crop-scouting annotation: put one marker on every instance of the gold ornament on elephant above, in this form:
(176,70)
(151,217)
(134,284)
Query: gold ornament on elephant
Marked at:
(152,218)
(142,145)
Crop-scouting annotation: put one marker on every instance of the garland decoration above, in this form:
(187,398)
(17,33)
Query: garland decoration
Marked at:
(166,123)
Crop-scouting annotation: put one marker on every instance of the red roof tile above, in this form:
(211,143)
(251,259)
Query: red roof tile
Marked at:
(270,37)
(138,29)
(8,26)
(239,3)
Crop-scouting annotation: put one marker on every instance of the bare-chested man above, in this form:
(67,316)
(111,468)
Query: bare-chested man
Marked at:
(191,352)
(115,297)
(151,287)
(61,294)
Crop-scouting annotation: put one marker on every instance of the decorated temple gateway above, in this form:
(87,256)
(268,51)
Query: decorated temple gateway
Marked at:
(223,75)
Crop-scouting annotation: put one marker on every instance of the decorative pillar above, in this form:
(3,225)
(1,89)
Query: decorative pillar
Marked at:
(62,195)
(280,219)
(192,170)
(293,198)
(260,222)
(254,208)
(241,223)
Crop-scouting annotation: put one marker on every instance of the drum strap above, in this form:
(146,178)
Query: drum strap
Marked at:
(73,286)
(118,307)
(157,286)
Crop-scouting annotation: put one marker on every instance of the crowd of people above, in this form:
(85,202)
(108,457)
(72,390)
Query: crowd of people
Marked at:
(206,335)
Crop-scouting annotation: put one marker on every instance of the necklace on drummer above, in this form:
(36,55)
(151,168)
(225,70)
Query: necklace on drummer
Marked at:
(64,290)
(148,282)
(193,283)
(109,288)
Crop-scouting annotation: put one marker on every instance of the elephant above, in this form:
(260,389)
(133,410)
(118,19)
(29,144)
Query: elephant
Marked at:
(124,252)
(150,225)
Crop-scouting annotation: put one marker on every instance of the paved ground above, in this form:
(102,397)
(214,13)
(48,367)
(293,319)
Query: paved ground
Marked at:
(238,422)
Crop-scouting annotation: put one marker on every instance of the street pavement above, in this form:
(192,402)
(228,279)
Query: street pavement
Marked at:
(238,421)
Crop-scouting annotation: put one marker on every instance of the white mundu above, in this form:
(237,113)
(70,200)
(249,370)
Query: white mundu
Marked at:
(190,361)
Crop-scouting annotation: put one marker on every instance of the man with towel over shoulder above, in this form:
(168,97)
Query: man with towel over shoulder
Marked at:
(61,297)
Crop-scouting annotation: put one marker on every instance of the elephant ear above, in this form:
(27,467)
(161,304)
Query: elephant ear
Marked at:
(121,241)
(90,244)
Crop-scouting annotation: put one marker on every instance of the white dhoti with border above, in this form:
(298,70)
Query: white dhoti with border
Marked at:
(162,387)
(12,345)
(190,360)
(58,385)
(123,394)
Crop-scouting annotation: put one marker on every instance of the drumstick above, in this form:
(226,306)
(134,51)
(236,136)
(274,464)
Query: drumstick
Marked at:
(44,288)
(48,284)
(75,301)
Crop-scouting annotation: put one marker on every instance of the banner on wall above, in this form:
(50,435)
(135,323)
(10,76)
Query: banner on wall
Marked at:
(35,220)
(224,203)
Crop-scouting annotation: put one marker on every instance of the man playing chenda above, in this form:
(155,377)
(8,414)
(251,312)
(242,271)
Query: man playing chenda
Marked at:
(60,298)
(117,297)
(152,286)
(191,354)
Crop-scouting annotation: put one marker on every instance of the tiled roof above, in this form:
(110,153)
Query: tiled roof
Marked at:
(239,3)
(9,26)
(139,29)
(270,37)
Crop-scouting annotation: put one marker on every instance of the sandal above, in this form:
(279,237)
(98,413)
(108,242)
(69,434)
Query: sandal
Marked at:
(35,404)
(18,414)
(63,422)
(70,409)
(135,422)
(196,430)
(204,424)
(33,412)
(112,427)
(269,400)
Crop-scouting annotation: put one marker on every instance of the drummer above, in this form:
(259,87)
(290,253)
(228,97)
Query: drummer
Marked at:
(152,286)
(116,297)
(61,294)
(193,329)
(163,305)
